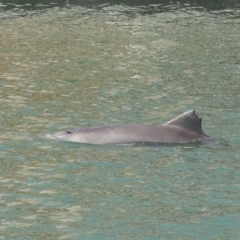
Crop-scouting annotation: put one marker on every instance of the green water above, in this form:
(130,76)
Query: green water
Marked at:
(76,66)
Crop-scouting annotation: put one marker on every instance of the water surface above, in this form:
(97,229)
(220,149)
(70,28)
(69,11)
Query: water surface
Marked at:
(61,68)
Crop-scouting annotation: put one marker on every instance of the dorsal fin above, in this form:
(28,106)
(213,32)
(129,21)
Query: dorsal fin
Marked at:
(188,120)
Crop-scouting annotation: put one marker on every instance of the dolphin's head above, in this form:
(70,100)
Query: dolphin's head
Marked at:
(66,135)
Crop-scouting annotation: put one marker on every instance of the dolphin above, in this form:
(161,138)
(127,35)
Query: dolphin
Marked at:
(185,128)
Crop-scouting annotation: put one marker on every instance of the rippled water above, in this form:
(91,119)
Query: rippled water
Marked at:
(61,68)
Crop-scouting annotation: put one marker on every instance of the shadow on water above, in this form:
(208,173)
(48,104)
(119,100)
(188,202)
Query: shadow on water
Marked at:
(153,5)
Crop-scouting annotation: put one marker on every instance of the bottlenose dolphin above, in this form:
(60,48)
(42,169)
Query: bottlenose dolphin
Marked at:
(185,128)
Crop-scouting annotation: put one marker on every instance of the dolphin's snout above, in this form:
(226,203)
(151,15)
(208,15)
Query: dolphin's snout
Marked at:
(61,134)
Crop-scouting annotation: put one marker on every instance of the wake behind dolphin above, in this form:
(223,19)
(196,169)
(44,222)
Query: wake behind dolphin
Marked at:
(185,128)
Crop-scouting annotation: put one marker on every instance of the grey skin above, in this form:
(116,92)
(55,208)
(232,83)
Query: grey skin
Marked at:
(183,129)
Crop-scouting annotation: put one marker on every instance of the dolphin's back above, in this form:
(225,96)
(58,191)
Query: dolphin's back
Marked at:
(182,129)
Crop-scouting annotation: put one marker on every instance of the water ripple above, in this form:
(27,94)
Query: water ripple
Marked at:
(61,68)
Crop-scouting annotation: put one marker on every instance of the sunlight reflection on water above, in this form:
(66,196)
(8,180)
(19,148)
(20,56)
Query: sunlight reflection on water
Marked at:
(61,68)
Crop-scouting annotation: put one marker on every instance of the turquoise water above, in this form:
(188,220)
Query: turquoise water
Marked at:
(76,66)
